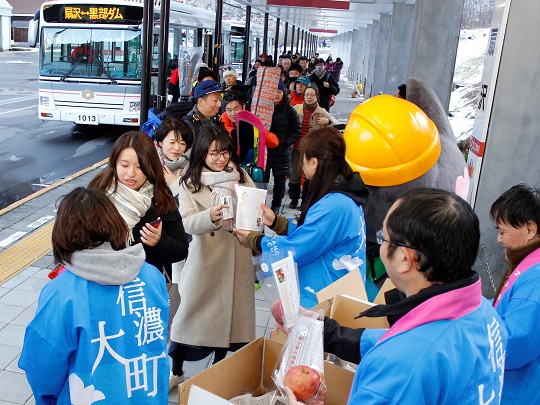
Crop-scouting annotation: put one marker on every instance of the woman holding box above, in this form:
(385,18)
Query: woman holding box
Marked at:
(329,238)
(225,318)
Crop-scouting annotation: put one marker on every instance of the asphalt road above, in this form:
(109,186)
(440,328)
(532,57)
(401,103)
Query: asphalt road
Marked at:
(36,153)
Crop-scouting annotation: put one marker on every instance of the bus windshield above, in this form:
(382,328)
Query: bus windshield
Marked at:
(113,54)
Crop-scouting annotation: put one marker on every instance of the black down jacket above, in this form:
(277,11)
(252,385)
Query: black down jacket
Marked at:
(287,127)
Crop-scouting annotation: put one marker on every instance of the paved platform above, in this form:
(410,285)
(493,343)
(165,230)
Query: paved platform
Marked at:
(26,260)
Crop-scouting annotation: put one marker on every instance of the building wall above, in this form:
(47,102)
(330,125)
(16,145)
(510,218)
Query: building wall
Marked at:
(26,6)
(5,32)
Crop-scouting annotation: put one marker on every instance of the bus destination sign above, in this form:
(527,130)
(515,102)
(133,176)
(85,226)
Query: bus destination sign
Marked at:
(93,13)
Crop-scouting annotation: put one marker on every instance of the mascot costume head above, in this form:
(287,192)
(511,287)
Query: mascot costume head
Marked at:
(397,145)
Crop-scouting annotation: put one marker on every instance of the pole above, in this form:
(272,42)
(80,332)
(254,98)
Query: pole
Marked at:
(147,51)
(247,53)
(217,37)
(276,43)
(265,44)
(292,38)
(163,47)
(285,37)
(297,38)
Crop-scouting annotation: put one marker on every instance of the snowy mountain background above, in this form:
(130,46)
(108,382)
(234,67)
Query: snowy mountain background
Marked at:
(470,58)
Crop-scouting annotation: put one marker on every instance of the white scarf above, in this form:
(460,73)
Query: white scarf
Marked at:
(173,165)
(131,204)
(221,183)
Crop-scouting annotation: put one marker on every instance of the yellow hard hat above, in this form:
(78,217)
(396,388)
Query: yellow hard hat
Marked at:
(390,141)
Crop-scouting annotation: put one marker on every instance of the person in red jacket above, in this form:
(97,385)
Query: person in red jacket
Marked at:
(233,102)
(300,85)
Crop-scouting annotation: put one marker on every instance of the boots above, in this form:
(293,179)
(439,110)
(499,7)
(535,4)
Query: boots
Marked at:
(294,194)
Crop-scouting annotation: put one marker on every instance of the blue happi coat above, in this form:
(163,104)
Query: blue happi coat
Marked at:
(92,343)
(448,350)
(330,243)
(519,308)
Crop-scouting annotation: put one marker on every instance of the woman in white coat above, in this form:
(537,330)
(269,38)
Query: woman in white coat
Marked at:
(217,312)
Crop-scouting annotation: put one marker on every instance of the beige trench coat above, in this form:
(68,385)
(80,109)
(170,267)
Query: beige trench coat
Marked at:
(217,282)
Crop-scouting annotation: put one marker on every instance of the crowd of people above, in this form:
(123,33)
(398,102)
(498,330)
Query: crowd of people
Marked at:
(166,198)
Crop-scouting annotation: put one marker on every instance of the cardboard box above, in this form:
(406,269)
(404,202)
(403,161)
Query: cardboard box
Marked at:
(387,286)
(350,284)
(345,309)
(250,370)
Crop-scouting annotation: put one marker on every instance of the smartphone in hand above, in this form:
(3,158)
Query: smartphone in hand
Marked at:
(156,223)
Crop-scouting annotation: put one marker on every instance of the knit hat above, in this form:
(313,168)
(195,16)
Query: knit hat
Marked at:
(206,87)
(304,80)
(314,87)
(229,71)
(281,86)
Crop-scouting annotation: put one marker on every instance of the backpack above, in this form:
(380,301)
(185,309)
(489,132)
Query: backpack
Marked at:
(155,118)
(154,121)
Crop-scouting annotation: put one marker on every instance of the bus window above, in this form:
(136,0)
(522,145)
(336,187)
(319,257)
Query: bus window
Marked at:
(81,52)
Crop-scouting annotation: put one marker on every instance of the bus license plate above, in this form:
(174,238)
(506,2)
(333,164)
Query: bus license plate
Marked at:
(88,119)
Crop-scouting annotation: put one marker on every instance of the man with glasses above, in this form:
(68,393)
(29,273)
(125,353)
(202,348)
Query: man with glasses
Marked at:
(207,96)
(446,344)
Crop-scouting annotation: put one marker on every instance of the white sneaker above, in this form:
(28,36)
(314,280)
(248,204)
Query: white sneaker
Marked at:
(175,381)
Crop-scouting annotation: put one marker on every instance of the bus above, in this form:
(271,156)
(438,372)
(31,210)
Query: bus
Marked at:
(90,56)
(238,39)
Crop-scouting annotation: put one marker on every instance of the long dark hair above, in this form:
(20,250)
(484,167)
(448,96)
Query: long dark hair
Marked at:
(328,146)
(150,166)
(86,219)
(203,141)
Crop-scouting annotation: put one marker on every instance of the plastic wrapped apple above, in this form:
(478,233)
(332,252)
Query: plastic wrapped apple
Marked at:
(277,311)
(303,380)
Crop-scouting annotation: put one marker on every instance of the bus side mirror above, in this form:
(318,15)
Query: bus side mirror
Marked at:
(33,30)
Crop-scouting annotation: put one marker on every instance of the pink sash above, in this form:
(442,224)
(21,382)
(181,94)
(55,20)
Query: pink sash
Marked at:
(529,261)
(448,306)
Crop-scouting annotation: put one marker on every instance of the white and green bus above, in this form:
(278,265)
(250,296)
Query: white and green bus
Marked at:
(90,56)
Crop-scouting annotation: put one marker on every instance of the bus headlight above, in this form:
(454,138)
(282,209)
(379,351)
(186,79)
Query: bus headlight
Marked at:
(44,101)
(135,106)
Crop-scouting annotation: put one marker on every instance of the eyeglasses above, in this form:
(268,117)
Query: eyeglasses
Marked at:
(380,241)
(217,155)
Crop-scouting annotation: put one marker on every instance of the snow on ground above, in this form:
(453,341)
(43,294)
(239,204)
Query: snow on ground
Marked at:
(467,75)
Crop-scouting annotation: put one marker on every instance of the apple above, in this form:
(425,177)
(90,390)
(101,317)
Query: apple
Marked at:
(303,380)
(277,311)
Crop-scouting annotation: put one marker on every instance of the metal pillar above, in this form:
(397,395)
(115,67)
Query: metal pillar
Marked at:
(292,38)
(285,37)
(146,74)
(297,38)
(217,37)
(163,47)
(265,44)
(276,43)
(247,53)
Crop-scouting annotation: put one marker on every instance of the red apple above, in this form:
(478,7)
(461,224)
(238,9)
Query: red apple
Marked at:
(277,311)
(303,380)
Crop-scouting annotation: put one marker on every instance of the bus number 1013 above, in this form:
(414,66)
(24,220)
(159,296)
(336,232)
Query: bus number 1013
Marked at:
(83,118)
